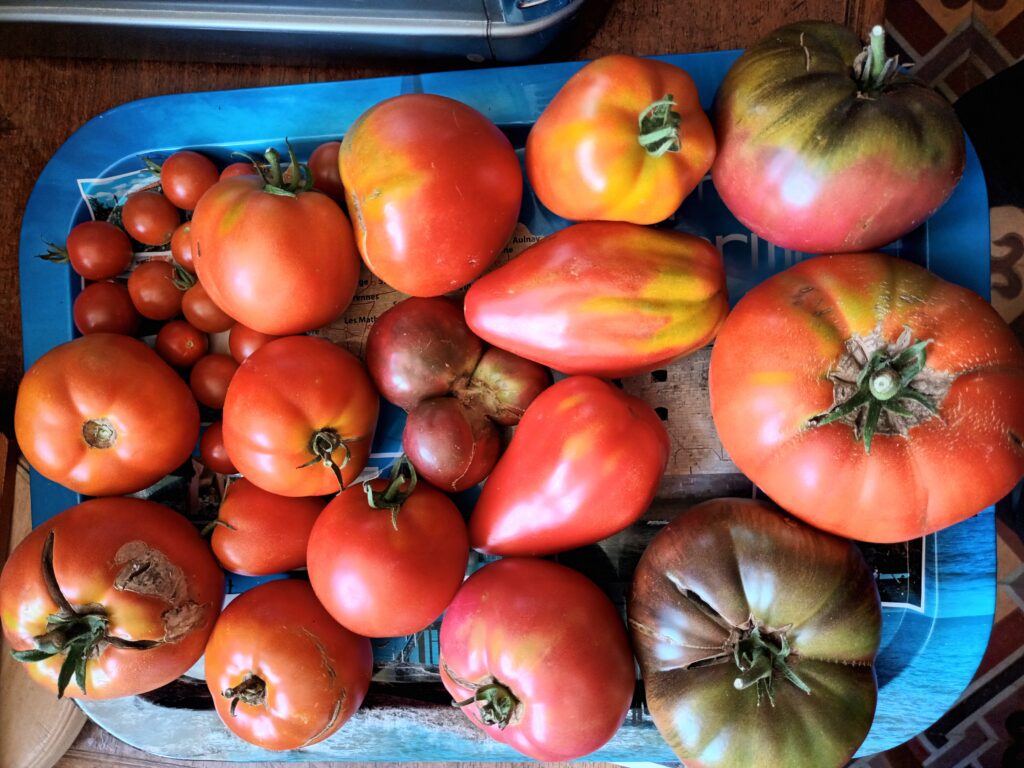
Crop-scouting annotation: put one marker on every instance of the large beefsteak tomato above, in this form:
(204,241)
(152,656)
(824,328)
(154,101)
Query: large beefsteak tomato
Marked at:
(823,149)
(118,595)
(603,298)
(624,139)
(104,415)
(299,417)
(537,656)
(756,637)
(584,463)
(434,190)
(869,397)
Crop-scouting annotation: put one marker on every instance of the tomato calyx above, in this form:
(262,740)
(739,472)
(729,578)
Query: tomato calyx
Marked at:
(183,279)
(323,444)
(79,634)
(299,179)
(401,484)
(252,690)
(759,654)
(497,704)
(659,127)
(884,389)
(55,254)
(872,69)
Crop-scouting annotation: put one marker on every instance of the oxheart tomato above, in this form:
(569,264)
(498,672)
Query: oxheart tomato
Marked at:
(603,298)
(756,637)
(869,397)
(283,674)
(258,533)
(823,149)
(299,417)
(280,262)
(537,656)
(584,463)
(104,415)
(434,190)
(112,597)
(386,558)
(624,139)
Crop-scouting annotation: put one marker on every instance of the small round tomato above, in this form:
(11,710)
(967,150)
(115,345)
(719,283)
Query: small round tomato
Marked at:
(154,291)
(299,417)
(97,250)
(181,246)
(185,176)
(386,558)
(112,597)
(452,445)
(283,674)
(212,452)
(239,169)
(104,415)
(150,217)
(258,533)
(181,344)
(537,656)
(200,310)
(210,377)
(105,308)
(323,164)
(243,341)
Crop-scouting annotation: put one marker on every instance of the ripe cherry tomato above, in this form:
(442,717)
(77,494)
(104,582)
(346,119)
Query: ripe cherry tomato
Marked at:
(323,164)
(150,217)
(300,414)
(105,308)
(283,674)
(185,176)
(434,190)
(243,341)
(625,139)
(104,415)
(200,310)
(154,290)
(181,344)
(239,169)
(133,597)
(537,656)
(258,533)
(97,250)
(210,378)
(212,452)
(181,246)
(387,565)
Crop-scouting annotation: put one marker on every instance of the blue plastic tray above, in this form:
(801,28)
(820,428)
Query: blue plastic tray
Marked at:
(931,646)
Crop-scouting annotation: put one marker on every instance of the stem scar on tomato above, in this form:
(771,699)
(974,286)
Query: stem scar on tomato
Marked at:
(498,705)
(402,483)
(659,127)
(99,433)
(323,444)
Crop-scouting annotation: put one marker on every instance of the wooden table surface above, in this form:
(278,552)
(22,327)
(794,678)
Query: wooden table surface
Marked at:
(44,100)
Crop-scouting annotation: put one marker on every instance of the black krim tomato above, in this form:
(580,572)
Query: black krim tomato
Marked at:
(756,636)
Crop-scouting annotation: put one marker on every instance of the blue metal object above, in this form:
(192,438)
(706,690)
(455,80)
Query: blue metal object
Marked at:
(932,643)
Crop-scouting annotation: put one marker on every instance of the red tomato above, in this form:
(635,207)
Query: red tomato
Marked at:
(239,169)
(864,382)
(104,415)
(212,452)
(568,303)
(181,344)
(279,263)
(625,139)
(243,341)
(210,378)
(323,164)
(259,533)
(390,565)
(154,291)
(181,246)
(185,176)
(283,674)
(832,156)
(151,587)
(434,190)
(452,445)
(97,250)
(538,658)
(105,308)
(150,217)
(584,463)
(200,310)
(299,417)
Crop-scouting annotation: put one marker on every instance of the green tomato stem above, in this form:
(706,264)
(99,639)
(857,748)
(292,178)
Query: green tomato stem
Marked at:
(659,127)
